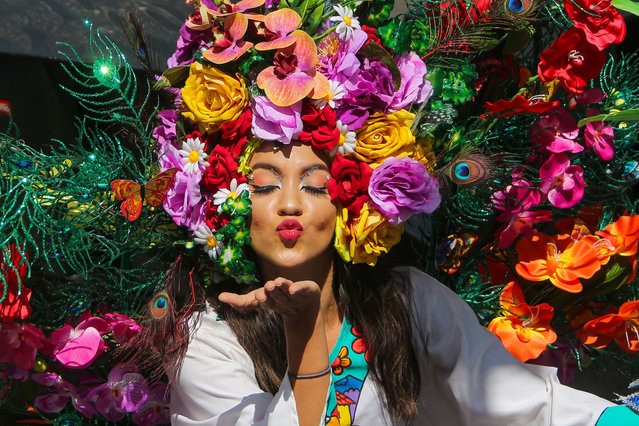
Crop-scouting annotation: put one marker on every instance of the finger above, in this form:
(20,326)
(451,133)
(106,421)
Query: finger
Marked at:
(239,301)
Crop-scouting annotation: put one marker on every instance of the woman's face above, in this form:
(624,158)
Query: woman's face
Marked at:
(293,219)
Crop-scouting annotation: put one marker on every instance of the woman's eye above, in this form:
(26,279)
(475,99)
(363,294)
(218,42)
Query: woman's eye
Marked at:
(314,190)
(263,189)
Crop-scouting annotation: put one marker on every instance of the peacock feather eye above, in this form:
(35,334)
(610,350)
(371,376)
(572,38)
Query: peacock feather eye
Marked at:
(160,305)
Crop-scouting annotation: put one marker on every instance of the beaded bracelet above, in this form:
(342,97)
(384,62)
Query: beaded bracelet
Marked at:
(310,376)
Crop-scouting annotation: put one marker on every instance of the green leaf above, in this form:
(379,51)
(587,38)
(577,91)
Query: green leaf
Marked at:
(627,115)
(375,51)
(627,5)
(176,76)
(314,19)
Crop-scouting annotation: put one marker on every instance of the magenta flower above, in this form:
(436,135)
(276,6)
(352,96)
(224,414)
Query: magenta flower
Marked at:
(414,86)
(276,123)
(590,96)
(78,347)
(556,132)
(231,46)
(563,182)
(55,402)
(519,196)
(20,344)
(519,223)
(165,133)
(184,197)
(155,410)
(122,327)
(600,137)
(124,392)
(337,59)
(401,187)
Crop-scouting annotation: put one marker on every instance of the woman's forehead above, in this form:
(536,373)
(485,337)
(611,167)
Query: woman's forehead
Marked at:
(294,156)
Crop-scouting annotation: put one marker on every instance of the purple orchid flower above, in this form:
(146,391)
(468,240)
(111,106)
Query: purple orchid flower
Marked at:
(562,182)
(600,137)
(124,392)
(556,132)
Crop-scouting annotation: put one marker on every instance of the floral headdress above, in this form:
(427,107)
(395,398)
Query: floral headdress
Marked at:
(254,72)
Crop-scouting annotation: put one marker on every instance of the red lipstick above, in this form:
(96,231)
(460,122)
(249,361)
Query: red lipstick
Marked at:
(289,229)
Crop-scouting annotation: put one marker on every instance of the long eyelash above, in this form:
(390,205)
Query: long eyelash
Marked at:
(263,189)
(315,191)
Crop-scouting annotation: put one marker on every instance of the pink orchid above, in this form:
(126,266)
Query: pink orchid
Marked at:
(55,402)
(563,182)
(599,137)
(556,132)
(124,392)
(294,75)
(20,344)
(519,196)
(519,223)
(199,20)
(123,327)
(78,347)
(227,8)
(230,46)
(281,23)
(155,410)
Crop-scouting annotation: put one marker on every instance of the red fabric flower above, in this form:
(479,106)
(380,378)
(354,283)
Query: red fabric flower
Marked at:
(14,306)
(571,59)
(360,344)
(234,134)
(602,23)
(372,37)
(221,170)
(518,105)
(349,183)
(320,127)
(215,220)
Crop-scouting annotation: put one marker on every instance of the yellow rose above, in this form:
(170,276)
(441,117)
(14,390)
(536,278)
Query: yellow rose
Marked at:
(425,155)
(211,97)
(365,237)
(384,136)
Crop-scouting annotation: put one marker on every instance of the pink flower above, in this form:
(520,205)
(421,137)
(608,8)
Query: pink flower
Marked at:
(294,75)
(155,410)
(231,46)
(599,137)
(123,327)
(281,23)
(414,87)
(20,344)
(228,8)
(55,402)
(556,132)
(124,392)
(519,196)
(519,223)
(78,347)
(276,123)
(563,182)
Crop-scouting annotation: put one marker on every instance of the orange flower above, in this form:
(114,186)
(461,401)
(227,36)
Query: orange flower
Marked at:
(524,330)
(561,259)
(341,361)
(623,238)
(623,327)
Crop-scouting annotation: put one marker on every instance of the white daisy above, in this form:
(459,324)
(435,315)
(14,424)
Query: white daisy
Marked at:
(212,246)
(234,191)
(347,23)
(193,155)
(347,140)
(335,93)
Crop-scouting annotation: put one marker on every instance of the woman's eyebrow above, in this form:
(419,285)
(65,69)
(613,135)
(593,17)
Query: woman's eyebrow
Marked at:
(307,171)
(270,167)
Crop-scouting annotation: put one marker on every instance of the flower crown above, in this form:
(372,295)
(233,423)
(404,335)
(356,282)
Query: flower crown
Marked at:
(258,71)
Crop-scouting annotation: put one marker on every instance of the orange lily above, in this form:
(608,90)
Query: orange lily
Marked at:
(294,76)
(524,330)
(623,327)
(623,236)
(281,23)
(561,260)
(231,46)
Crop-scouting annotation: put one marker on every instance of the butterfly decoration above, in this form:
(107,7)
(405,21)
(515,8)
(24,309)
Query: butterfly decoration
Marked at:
(153,192)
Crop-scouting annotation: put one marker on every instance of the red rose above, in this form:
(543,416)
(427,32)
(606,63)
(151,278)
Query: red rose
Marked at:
(221,170)
(214,220)
(571,59)
(14,306)
(348,184)
(320,127)
(234,134)
(603,25)
(518,105)
(372,37)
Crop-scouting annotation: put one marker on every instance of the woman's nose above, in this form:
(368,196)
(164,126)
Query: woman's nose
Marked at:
(290,201)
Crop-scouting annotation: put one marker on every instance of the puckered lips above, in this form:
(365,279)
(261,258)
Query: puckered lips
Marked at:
(289,229)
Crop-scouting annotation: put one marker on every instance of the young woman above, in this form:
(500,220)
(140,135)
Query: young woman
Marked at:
(282,351)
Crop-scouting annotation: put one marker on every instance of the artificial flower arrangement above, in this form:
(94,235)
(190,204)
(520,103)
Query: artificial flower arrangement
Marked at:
(528,180)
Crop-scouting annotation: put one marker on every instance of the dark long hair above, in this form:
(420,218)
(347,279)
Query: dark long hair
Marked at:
(376,299)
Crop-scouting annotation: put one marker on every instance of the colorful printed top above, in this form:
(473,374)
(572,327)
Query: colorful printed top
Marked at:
(350,368)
